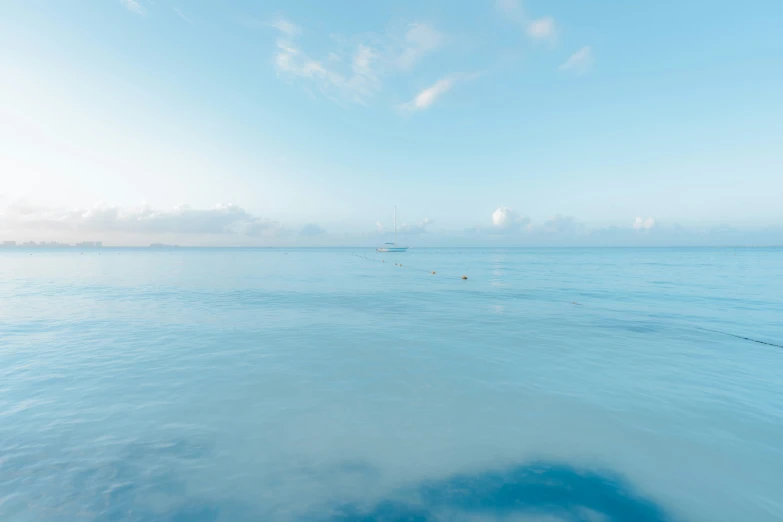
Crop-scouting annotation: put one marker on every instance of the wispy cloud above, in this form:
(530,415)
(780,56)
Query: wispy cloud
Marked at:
(540,29)
(286,27)
(358,84)
(355,71)
(579,62)
(428,96)
(511,9)
(363,60)
(182,15)
(134,7)
(420,40)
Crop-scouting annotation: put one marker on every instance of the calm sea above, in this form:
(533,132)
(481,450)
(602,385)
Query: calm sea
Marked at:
(238,385)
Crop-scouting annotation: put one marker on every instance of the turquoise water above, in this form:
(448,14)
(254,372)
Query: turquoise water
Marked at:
(239,385)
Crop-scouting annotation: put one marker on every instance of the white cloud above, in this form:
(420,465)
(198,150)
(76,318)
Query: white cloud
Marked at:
(502,216)
(580,61)
(427,97)
(644,224)
(506,219)
(419,228)
(220,219)
(379,227)
(420,40)
(541,29)
(134,7)
(182,15)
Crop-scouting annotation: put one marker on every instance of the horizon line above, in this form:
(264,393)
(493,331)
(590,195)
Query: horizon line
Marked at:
(64,246)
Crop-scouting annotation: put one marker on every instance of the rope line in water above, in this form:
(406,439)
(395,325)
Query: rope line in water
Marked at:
(742,337)
(400,265)
(738,337)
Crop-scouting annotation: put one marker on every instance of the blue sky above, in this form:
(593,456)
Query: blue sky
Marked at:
(509,122)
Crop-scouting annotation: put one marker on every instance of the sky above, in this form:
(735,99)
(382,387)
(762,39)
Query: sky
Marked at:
(503,122)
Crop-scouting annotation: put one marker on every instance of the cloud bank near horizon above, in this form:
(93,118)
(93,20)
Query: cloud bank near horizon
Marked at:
(183,219)
(230,224)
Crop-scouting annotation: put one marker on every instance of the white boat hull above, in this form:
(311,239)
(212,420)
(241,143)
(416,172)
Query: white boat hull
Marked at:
(391,249)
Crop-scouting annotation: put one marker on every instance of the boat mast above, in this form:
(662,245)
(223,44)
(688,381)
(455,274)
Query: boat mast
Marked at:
(395,225)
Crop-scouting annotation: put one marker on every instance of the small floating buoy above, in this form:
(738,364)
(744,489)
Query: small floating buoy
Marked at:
(433,272)
(464,277)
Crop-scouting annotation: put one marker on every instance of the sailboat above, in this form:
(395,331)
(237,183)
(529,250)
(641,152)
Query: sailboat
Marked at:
(392,247)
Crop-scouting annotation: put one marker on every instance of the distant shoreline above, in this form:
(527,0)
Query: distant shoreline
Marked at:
(362,247)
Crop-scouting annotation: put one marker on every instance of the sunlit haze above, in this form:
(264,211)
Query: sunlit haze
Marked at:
(305,123)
